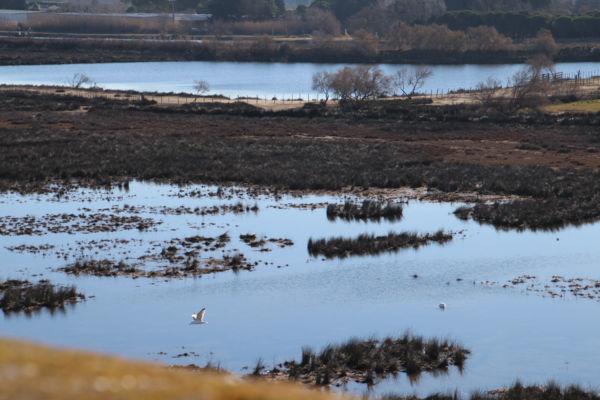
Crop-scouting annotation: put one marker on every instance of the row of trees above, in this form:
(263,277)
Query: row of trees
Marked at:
(439,37)
(243,9)
(379,17)
(220,9)
(524,24)
(421,10)
(488,5)
(528,87)
(368,82)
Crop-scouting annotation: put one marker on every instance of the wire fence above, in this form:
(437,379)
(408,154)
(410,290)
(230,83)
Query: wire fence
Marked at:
(580,78)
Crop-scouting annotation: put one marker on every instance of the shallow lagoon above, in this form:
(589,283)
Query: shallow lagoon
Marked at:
(272,312)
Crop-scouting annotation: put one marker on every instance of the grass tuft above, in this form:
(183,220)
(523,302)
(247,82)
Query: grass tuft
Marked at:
(369,210)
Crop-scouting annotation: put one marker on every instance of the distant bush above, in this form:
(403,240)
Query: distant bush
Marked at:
(441,38)
(368,210)
(370,244)
(353,83)
(366,360)
(23,296)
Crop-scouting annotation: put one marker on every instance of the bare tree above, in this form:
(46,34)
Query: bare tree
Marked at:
(342,84)
(545,44)
(487,91)
(409,82)
(201,87)
(78,80)
(370,82)
(528,88)
(321,82)
(353,83)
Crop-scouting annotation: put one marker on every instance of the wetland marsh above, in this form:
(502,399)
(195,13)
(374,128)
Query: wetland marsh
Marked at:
(288,299)
(153,213)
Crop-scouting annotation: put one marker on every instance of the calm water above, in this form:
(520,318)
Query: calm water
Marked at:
(233,79)
(272,312)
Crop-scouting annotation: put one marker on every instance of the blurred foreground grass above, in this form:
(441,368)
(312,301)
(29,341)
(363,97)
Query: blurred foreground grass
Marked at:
(30,371)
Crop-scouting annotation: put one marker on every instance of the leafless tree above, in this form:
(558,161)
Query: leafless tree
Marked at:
(528,88)
(545,44)
(321,83)
(342,83)
(487,91)
(78,80)
(201,87)
(409,82)
(353,83)
(487,38)
(369,82)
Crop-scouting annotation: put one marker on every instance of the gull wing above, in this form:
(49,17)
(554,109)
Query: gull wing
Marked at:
(201,314)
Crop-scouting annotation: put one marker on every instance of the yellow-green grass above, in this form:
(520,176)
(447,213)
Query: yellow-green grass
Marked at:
(582,106)
(30,371)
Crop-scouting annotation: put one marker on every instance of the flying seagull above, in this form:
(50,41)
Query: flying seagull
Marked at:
(442,306)
(199,318)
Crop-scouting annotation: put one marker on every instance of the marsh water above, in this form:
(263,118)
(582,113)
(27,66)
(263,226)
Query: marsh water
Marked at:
(235,79)
(291,300)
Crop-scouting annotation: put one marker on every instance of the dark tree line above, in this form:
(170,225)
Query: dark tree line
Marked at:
(524,24)
(244,9)
(220,9)
(489,5)
(13,4)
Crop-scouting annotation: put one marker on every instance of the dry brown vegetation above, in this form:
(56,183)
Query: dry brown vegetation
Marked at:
(38,372)
(35,372)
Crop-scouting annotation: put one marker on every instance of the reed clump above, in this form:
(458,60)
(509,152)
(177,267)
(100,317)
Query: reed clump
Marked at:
(369,210)
(99,268)
(366,244)
(543,214)
(24,296)
(365,361)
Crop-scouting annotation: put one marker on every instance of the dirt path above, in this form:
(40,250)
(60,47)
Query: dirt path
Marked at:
(166,99)
(588,87)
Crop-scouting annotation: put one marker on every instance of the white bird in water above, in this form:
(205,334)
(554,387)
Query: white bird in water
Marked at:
(199,318)
(442,306)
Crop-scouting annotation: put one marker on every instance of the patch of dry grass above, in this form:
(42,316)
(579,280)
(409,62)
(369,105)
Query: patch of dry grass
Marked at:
(582,106)
(29,371)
